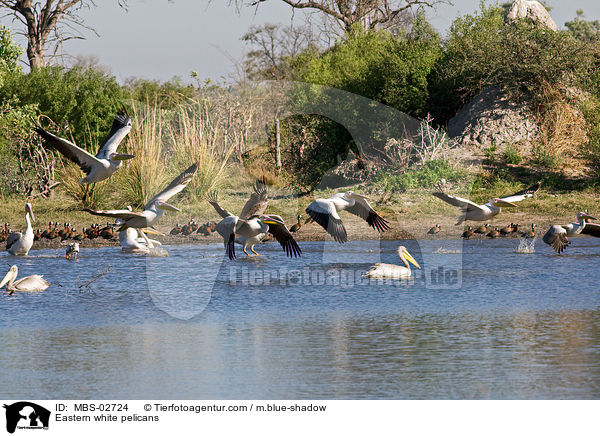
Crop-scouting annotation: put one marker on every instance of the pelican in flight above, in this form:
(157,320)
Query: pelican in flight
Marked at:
(26,284)
(18,243)
(106,162)
(391,271)
(252,226)
(324,211)
(557,236)
(483,212)
(154,209)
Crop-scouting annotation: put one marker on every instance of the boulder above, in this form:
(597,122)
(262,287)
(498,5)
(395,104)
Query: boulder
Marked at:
(532,10)
(493,119)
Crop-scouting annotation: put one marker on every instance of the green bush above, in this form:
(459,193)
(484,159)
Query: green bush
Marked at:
(424,177)
(82,102)
(482,51)
(512,155)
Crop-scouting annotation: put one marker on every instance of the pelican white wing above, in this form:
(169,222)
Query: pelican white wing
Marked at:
(324,213)
(522,195)
(119,130)
(463,203)
(175,187)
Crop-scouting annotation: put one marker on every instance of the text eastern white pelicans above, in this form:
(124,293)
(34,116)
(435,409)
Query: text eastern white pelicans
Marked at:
(557,236)
(391,271)
(106,162)
(483,212)
(32,283)
(19,243)
(324,211)
(154,209)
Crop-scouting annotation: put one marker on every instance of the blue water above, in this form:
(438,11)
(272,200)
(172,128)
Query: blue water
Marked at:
(483,323)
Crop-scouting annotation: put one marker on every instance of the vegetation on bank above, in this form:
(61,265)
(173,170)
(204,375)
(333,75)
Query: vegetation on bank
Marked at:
(296,133)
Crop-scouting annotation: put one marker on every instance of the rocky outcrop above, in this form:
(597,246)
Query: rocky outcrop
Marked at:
(532,10)
(493,119)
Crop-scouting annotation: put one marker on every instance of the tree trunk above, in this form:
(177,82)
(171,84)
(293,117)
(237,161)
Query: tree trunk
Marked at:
(35,54)
(277,145)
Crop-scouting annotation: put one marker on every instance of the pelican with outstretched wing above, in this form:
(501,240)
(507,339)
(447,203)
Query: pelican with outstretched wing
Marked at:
(391,271)
(483,212)
(106,162)
(252,226)
(19,243)
(324,211)
(558,235)
(32,283)
(154,209)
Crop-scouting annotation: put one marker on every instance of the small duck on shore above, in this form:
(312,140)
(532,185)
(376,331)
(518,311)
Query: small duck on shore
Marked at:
(435,229)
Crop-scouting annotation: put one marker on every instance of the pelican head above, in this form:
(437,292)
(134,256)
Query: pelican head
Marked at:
(585,215)
(10,276)
(405,255)
(502,203)
(29,210)
(166,206)
(121,156)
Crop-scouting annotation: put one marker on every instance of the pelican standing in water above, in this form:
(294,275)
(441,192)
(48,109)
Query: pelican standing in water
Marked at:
(18,243)
(483,212)
(154,209)
(391,271)
(106,162)
(324,211)
(26,284)
(252,226)
(557,235)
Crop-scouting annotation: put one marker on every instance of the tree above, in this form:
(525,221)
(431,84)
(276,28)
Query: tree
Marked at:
(47,21)
(583,29)
(369,14)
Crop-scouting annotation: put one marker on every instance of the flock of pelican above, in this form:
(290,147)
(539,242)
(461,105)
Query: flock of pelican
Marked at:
(253,225)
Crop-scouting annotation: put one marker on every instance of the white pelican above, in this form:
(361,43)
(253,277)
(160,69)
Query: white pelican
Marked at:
(106,162)
(391,271)
(154,209)
(483,212)
(557,236)
(26,284)
(251,227)
(18,243)
(72,251)
(325,213)
(135,240)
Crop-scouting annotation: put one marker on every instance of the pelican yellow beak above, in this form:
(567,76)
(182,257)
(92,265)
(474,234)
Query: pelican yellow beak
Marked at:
(166,206)
(502,203)
(30,211)
(411,259)
(150,231)
(271,221)
(7,278)
(119,156)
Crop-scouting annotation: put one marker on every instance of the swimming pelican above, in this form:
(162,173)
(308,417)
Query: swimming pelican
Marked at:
(557,235)
(476,212)
(154,209)
(72,251)
(391,271)
(325,213)
(18,243)
(26,284)
(251,227)
(106,162)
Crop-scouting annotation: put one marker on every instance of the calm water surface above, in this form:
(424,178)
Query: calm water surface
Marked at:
(192,325)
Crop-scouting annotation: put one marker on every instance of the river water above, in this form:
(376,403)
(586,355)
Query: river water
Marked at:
(479,321)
